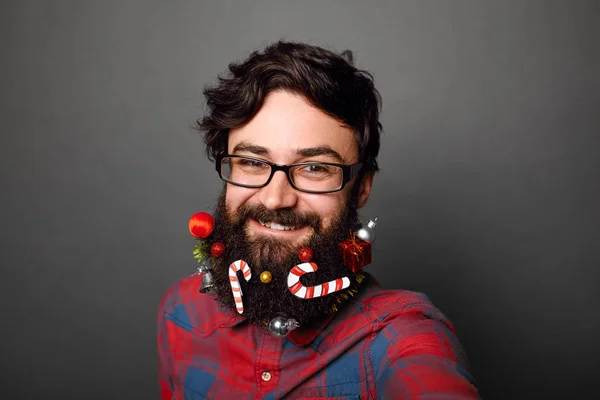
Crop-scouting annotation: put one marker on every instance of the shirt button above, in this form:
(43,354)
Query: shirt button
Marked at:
(266,376)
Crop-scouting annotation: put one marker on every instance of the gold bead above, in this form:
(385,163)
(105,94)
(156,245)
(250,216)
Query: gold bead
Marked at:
(265,277)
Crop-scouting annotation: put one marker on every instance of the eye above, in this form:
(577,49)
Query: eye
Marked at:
(251,163)
(317,171)
(316,168)
(250,166)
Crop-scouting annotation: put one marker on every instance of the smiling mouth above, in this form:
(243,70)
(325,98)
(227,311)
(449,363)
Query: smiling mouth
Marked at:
(278,227)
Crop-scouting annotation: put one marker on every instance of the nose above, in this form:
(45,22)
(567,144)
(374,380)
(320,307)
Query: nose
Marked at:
(278,193)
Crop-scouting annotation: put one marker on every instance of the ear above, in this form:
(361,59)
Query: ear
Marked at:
(364,190)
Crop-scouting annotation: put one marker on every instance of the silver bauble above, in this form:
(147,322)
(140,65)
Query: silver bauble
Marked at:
(367,233)
(280,326)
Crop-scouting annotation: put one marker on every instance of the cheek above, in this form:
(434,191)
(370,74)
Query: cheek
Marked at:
(329,207)
(236,196)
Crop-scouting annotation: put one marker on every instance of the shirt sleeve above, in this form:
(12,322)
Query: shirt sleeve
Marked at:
(424,359)
(164,351)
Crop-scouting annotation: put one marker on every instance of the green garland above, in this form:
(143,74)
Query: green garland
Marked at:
(201,251)
(349,293)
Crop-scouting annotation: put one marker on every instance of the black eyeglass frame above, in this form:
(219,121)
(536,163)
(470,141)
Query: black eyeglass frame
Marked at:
(349,172)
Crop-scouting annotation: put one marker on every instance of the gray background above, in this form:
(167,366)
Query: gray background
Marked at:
(487,199)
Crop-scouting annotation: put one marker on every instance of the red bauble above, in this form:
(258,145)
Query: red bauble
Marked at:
(201,225)
(217,249)
(305,254)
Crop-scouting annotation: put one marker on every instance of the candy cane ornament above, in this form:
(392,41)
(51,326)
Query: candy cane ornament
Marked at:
(234,267)
(309,292)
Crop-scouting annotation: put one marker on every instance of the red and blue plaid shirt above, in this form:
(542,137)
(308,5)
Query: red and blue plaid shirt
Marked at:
(383,344)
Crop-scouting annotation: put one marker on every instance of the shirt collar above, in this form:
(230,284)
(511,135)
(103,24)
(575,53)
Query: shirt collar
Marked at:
(302,336)
(305,335)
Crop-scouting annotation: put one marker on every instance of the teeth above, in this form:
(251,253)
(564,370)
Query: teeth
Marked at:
(277,227)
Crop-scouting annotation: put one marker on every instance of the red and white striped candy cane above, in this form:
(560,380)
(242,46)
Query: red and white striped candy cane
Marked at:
(308,292)
(234,267)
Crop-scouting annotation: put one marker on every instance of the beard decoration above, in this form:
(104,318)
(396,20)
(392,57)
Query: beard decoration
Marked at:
(267,297)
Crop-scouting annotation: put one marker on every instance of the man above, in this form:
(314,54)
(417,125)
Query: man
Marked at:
(294,131)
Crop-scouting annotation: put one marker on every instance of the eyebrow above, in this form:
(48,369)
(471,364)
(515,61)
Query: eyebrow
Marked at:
(307,152)
(251,148)
(320,151)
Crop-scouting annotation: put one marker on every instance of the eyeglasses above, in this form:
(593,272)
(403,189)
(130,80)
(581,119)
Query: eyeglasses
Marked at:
(310,177)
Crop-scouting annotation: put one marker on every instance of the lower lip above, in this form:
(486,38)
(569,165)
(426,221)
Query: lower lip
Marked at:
(255,225)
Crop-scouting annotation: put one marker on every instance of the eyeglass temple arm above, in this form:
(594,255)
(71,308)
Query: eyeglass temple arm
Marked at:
(354,170)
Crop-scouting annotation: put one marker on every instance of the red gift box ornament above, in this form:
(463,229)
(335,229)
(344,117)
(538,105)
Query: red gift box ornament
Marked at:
(356,251)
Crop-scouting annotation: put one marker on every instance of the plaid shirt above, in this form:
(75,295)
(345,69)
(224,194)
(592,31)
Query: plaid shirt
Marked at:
(383,344)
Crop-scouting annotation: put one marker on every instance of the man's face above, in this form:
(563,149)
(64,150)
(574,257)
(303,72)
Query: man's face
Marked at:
(288,130)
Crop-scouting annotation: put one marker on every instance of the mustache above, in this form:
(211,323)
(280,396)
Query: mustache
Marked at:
(282,216)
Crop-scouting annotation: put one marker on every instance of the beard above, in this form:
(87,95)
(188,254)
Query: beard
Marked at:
(264,301)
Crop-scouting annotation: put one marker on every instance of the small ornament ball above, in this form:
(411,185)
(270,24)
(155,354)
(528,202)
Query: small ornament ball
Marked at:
(280,326)
(305,254)
(265,277)
(217,249)
(201,225)
(367,233)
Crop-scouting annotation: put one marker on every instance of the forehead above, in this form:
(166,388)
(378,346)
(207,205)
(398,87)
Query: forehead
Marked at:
(287,122)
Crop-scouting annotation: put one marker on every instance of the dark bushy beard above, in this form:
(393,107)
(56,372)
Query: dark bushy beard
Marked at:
(262,302)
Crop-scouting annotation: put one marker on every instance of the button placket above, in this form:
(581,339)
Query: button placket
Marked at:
(267,363)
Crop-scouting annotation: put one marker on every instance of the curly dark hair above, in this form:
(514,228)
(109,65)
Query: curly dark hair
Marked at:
(329,81)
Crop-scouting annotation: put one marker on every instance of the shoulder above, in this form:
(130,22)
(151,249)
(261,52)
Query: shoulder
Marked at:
(184,306)
(175,293)
(386,307)
(412,338)
(410,323)
(406,323)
